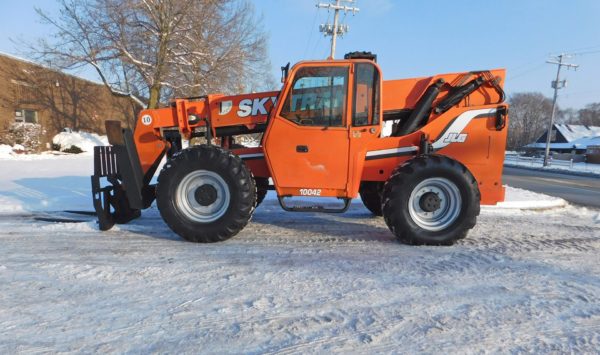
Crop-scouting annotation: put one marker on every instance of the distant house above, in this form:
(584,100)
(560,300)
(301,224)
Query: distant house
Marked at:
(570,139)
(593,152)
(32,93)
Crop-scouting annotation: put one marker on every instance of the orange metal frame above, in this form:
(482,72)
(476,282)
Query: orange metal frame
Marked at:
(338,160)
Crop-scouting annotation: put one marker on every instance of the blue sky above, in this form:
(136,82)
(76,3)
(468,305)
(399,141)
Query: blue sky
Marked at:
(418,38)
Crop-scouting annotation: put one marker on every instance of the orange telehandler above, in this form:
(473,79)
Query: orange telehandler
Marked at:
(325,134)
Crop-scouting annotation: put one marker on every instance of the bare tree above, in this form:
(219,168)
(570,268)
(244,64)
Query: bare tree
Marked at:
(529,116)
(149,50)
(567,116)
(589,115)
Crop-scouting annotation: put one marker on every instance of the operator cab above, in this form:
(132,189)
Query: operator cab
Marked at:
(327,109)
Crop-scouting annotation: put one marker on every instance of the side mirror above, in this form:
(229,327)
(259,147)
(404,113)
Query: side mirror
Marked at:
(284,72)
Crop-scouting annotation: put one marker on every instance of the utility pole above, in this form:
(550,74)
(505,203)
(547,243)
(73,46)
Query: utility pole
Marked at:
(556,84)
(336,29)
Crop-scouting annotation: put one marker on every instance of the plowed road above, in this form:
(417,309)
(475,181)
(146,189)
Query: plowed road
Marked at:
(580,190)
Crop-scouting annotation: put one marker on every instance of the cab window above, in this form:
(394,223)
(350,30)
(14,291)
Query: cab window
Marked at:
(317,97)
(365,110)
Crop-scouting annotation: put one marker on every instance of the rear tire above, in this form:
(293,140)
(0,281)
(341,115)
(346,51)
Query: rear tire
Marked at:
(431,200)
(370,194)
(205,194)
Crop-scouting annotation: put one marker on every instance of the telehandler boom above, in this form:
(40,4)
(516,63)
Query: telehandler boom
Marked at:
(424,153)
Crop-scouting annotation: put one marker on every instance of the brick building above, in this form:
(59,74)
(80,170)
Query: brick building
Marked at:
(55,100)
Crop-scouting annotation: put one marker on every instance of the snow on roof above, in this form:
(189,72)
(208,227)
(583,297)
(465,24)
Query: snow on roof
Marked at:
(573,132)
(588,141)
(31,62)
(12,56)
(581,143)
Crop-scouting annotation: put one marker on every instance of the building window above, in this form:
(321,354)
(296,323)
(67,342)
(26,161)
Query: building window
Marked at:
(28,116)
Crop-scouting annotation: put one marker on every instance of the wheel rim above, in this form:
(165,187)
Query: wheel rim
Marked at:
(447,204)
(207,209)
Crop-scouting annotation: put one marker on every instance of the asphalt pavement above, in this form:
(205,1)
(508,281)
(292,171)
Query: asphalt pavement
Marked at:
(581,190)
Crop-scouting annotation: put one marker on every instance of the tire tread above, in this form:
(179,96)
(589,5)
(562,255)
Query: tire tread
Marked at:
(210,158)
(394,197)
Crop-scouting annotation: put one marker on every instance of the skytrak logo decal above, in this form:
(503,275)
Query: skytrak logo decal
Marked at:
(248,107)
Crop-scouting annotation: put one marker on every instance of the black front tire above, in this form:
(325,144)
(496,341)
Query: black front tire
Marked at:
(413,177)
(370,194)
(219,165)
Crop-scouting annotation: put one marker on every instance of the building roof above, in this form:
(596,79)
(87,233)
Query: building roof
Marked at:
(30,62)
(569,136)
(579,144)
(573,132)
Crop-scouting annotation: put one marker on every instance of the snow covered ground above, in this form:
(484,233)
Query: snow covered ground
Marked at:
(555,165)
(522,281)
(518,199)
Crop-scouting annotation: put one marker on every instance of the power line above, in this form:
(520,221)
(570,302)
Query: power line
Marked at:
(581,49)
(556,84)
(311,33)
(586,52)
(578,93)
(336,29)
(318,41)
(525,72)
(525,65)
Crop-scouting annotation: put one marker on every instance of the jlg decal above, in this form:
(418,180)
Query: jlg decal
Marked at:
(455,138)
(310,192)
(253,107)
(453,135)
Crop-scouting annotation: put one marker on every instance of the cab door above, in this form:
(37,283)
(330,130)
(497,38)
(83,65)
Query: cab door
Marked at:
(307,142)
(365,120)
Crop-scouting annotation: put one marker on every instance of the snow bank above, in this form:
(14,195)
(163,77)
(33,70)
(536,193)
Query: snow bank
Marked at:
(5,150)
(85,141)
(519,199)
(10,205)
(562,166)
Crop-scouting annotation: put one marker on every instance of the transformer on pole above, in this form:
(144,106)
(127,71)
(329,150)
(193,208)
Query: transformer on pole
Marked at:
(336,28)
